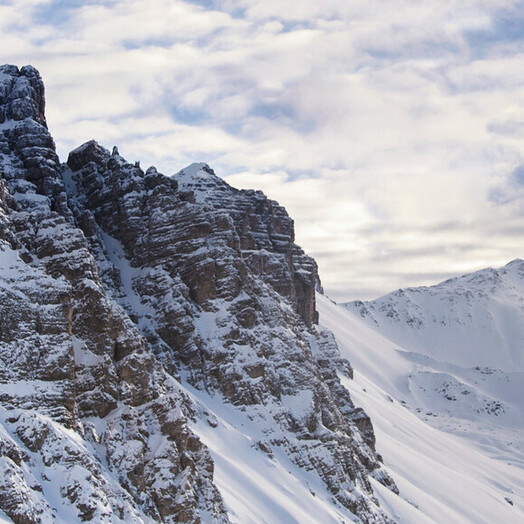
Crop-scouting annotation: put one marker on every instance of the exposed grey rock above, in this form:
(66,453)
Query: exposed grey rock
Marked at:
(216,279)
(119,289)
(266,235)
(70,356)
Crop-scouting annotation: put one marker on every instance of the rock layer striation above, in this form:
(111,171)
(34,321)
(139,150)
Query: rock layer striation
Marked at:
(125,297)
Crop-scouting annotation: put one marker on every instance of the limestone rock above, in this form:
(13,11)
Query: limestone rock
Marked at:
(218,287)
(83,397)
(124,295)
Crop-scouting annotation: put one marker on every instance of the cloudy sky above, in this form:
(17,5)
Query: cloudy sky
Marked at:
(392,130)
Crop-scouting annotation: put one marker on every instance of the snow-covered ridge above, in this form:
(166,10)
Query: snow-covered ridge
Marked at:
(472,320)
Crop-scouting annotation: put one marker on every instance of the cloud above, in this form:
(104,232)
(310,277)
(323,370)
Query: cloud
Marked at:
(391,131)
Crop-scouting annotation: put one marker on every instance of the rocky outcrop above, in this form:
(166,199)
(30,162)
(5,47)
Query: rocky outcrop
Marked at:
(210,276)
(266,237)
(83,398)
(121,291)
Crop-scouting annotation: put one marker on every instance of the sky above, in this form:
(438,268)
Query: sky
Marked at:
(392,131)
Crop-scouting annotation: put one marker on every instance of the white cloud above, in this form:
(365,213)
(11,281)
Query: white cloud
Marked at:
(389,130)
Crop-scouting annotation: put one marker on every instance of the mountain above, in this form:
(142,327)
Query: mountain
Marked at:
(160,357)
(166,355)
(475,319)
(440,371)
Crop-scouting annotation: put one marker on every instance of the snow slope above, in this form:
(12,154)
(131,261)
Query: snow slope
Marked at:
(472,320)
(452,436)
(260,484)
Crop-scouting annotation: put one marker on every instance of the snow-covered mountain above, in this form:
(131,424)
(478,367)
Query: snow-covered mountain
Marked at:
(161,358)
(440,370)
(472,320)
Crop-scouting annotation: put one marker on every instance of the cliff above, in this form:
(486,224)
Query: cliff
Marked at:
(131,302)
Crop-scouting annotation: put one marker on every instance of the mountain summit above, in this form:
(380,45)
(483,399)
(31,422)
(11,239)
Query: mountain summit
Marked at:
(160,357)
(472,320)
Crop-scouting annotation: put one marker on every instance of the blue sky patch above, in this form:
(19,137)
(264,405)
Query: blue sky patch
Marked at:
(507,27)
(518,175)
(59,12)
(188,116)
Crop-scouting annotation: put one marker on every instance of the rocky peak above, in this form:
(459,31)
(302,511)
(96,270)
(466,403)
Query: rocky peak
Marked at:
(21,94)
(24,138)
(266,235)
(213,283)
(89,152)
(130,305)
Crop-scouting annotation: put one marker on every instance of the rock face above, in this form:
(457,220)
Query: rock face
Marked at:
(121,291)
(89,415)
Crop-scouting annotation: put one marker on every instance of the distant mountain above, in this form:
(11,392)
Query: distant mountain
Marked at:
(472,320)
(160,359)
(440,370)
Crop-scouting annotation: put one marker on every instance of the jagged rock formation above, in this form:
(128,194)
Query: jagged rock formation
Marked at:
(118,287)
(73,364)
(266,237)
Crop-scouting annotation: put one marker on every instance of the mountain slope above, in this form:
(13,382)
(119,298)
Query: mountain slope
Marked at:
(451,430)
(472,320)
(158,333)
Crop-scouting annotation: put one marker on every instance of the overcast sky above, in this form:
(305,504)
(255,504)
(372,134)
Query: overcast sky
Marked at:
(392,131)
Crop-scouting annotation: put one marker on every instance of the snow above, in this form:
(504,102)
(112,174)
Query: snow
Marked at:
(299,405)
(8,124)
(450,463)
(27,388)
(473,320)
(257,487)
(195,169)
(8,260)
(83,356)
(128,274)
(200,179)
